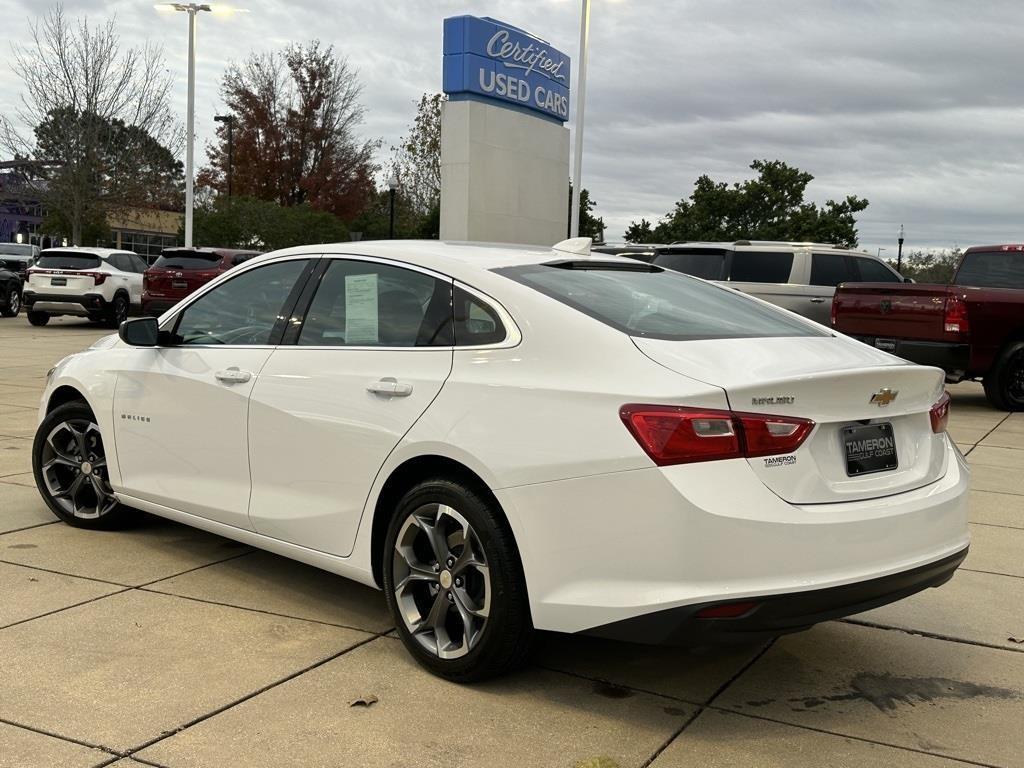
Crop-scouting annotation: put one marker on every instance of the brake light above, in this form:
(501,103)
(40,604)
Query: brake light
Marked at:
(955,316)
(145,280)
(939,414)
(680,435)
(99,278)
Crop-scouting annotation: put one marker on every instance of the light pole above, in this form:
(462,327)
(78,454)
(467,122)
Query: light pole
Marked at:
(229,123)
(392,187)
(581,101)
(899,253)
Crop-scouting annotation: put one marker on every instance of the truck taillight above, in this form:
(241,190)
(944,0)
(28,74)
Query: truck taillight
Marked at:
(939,414)
(832,312)
(955,316)
(672,434)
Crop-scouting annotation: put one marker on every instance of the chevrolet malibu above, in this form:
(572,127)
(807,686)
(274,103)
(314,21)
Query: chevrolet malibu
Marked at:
(506,439)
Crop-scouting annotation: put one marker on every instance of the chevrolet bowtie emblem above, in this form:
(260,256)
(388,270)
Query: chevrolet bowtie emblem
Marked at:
(883,397)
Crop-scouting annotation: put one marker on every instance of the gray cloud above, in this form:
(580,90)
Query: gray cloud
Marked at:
(914,104)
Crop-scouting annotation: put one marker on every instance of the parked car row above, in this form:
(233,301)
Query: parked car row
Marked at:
(103,284)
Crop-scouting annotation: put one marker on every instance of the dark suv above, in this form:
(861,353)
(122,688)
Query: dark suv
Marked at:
(181,271)
(10,292)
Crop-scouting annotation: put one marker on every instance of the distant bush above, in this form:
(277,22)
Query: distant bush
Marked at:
(930,267)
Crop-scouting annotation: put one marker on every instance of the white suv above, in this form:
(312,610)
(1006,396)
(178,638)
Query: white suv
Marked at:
(800,277)
(98,283)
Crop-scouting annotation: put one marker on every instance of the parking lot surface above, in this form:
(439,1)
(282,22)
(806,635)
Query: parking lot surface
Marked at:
(163,645)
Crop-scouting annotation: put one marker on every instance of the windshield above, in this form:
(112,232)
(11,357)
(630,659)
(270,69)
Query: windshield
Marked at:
(992,269)
(67,260)
(187,260)
(658,304)
(23,252)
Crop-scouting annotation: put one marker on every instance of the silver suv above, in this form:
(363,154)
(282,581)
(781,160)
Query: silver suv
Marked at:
(801,277)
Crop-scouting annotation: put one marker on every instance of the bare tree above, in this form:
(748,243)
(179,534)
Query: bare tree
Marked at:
(99,116)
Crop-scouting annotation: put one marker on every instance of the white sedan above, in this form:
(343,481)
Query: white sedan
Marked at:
(506,439)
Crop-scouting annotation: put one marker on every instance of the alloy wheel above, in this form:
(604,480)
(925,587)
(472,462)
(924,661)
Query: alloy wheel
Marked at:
(74,469)
(1015,377)
(442,581)
(14,302)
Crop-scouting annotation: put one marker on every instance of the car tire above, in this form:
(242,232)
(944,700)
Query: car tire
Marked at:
(454,582)
(13,304)
(38,318)
(117,313)
(70,469)
(1004,383)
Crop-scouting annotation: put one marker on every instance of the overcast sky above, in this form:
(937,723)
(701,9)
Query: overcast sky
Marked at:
(917,105)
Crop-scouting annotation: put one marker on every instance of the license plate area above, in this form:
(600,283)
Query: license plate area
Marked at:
(869,448)
(179,284)
(886,345)
(59,281)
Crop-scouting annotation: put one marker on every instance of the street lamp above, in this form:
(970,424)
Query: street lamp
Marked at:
(192,9)
(229,122)
(899,253)
(581,101)
(393,187)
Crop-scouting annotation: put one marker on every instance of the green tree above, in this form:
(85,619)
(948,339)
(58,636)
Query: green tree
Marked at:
(768,207)
(245,222)
(930,267)
(416,161)
(640,232)
(590,225)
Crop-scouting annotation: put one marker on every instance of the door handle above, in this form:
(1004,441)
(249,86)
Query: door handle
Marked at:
(817,300)
(389,386)
(233,376)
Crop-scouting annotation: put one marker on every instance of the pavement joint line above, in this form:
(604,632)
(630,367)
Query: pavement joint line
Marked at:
(993,573)
(242,699)
(998,525)
(72,575)
(931,635)
(709,701)
(65,608)
(196,568)
(43,732)
(258,610)
(865,739)
(29,527)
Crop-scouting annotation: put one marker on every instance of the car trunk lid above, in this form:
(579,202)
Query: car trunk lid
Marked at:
(856,396)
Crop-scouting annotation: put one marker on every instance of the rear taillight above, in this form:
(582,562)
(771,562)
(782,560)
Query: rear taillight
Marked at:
(99,278)
(832,312)
(939,414)
(680,435)
(955,316)
(145,280)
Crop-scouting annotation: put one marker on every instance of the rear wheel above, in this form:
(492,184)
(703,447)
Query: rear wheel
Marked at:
(38,318)
(118,311)
(1004,384)
(70,468)
(13,304)
(454,585)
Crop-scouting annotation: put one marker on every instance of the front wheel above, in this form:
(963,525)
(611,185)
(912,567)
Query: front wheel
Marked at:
(454,585)
(1004,384)
(38,318)
(70,468)
(13,306)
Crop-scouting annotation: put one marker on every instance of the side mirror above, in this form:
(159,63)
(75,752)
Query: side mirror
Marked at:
(139,332)
(908,280)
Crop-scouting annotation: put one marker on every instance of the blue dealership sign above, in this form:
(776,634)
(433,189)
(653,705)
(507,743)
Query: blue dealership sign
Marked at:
(487,60)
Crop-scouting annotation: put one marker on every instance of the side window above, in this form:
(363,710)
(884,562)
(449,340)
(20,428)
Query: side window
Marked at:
(829,269)
(138,263)
(366,304)
(475,322)
(761,267)
(872,271)
(116,260)
(241,311)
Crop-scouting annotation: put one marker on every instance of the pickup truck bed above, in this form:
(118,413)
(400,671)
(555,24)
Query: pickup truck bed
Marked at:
(972,329)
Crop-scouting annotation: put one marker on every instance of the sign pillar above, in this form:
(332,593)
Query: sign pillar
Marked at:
(504,145)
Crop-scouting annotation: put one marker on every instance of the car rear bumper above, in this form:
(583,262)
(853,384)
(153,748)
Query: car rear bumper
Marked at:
(58,304)
(953,358)
(604,549)
(776,615)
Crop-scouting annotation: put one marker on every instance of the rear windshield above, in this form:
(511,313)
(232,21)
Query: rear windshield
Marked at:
(992,269)
(657,303)
(14,249)
(187,260)
(706,263)
(67,260)
(761,266)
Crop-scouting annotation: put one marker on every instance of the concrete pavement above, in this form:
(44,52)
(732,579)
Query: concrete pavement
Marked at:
(163,645)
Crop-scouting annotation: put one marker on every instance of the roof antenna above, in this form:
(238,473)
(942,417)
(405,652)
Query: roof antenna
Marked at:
(577,246)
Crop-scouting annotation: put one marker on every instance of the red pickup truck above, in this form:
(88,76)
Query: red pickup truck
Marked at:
(972,328)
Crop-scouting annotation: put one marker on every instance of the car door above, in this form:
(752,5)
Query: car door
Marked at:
(373,351)
(181,409)
(766,274)
(827,271)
